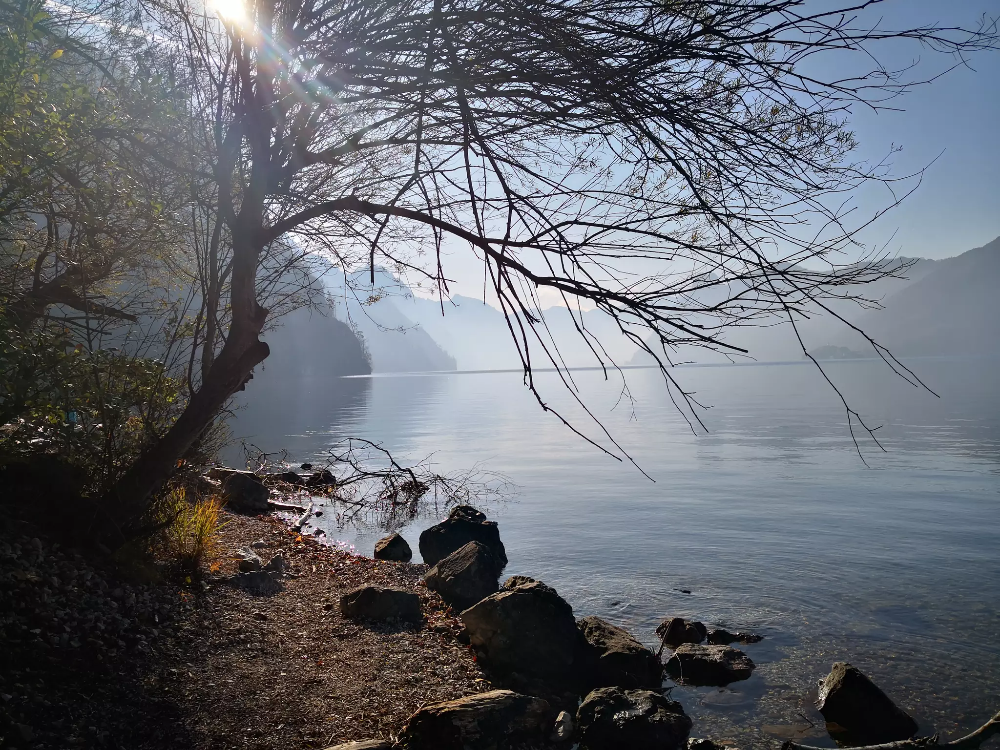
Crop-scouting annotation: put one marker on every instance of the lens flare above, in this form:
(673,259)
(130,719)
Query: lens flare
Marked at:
(233,11)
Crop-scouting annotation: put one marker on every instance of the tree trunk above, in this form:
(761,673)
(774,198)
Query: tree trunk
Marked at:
(129,500)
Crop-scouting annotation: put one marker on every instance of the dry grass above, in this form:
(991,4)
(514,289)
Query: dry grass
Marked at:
(192,536)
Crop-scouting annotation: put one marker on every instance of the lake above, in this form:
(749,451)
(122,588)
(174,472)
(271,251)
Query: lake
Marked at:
(771,520)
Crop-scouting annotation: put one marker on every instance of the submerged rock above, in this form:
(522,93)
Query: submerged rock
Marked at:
(466,576)
(527,635)
(487,721)
(708,665)
(867,716)
(611,718)
(722,637)
(393,548)
(463,525)
(380,604)
(618,659)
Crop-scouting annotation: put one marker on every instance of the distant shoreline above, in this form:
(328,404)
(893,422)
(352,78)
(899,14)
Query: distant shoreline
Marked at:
(691,365)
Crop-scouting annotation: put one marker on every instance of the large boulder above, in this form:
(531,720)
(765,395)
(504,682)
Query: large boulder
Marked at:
(496,720)
(675,631)
(393,548)
(380,604)
(708,665)
(463,525)
(866,715)
(242,491)
(611,718)
(618,659)
(527,636)
(466,576)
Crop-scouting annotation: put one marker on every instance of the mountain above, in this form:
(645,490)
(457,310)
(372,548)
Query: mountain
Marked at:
(311,344)
(954,309)
(947,306)
(395,342)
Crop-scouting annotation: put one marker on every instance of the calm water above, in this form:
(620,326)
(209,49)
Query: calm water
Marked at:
(771,520)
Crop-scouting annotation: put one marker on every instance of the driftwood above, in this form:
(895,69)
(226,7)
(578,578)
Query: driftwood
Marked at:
(297,526)
(968,742)
(286,506)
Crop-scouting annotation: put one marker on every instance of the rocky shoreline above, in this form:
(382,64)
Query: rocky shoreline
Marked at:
(288,642)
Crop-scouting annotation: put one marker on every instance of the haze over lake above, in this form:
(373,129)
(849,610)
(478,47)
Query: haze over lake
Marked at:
(771,520)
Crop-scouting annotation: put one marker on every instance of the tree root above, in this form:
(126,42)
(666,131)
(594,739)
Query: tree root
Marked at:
(968,742)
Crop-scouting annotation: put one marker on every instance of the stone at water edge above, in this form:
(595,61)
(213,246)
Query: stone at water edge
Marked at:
(618,659)
(692,664)
(611,718)
(393,548)
(463,525)
(563,729)
(852,701)
(242,491)
(380,604)
(722,637)
(499,718)
(675,631)
(466,576)
(527,635)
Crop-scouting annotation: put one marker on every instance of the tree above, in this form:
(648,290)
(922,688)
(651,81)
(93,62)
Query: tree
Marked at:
(679,165)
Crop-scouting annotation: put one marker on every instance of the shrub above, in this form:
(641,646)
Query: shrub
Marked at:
(191,531)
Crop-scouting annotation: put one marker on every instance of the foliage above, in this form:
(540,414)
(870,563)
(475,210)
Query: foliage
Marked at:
(96,409)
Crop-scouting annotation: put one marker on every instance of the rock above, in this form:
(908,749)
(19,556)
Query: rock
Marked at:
(393,548)
(260,582)
(243,491)
(379,604)
(290,477)
(487,721)
(611,718)
(676,630)
(464,524)
(708,665)
(617,658)
(514,581)
(277,564)
(697,743)
(364,745)
(464,577)
(322,478)
(527,635)
(306,467)
(563,729)
(867,715)
(250,561)
(722,637)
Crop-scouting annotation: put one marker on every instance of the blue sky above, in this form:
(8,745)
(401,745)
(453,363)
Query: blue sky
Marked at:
(950,126)
(955,120)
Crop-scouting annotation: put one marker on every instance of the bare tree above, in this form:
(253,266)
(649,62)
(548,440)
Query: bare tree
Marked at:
(678,165)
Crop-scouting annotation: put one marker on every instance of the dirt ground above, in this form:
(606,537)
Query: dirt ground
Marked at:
(93,658)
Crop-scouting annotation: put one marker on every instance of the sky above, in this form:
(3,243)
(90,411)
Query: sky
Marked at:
(950,128)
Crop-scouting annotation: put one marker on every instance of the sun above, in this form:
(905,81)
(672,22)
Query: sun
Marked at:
(233,11)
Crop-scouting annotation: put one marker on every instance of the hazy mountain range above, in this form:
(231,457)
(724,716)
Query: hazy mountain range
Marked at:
(942,307)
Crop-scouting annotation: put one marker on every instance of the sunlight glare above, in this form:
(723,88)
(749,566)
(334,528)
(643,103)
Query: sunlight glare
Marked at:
(233,11)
